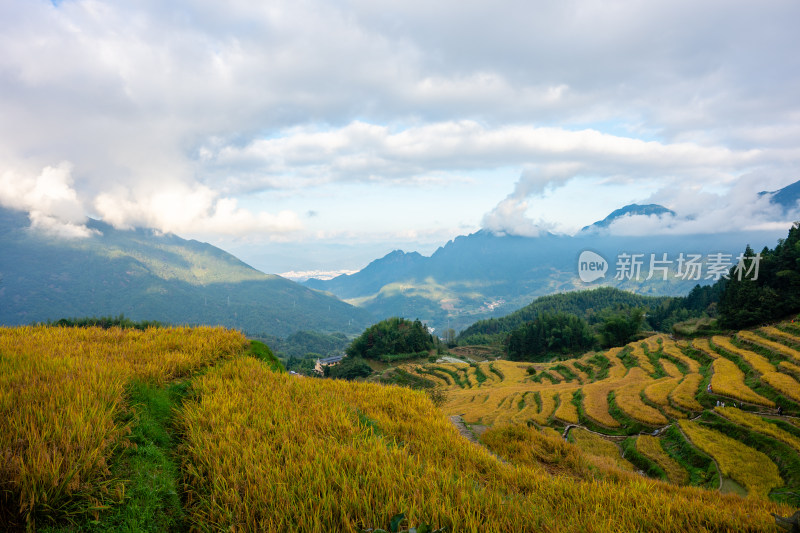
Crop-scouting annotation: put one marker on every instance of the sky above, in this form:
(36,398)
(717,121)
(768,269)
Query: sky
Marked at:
(317,135)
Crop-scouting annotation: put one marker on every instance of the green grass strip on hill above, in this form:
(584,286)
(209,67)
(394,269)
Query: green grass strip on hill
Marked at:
(262,352)
(479,375)
(587,369)
(641,461)
(603,364)
(702,469)
(151,502)
(398,376)
(568,374)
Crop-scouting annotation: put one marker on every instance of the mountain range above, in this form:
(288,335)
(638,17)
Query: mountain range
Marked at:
(485,274)
(146,275)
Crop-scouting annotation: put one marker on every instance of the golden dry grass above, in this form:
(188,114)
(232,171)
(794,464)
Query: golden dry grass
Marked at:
(595,403)
(653,344)
(512,401)
(705,346)
(617,370)
(670,369)
(790,367)
(437,377)
(512,371)
(548,399)
(651,448)
(659,392)
(62,391)
(783,383)
(471,377)
(583,377)
(745,465)
(529,448)
(264,451)
(518,399)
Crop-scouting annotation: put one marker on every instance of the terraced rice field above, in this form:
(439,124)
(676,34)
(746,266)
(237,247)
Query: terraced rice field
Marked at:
(600,451)
(267,451)
(751,468)
(651,448)
(649,384)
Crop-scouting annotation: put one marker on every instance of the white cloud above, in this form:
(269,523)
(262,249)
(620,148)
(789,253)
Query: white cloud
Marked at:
(362,151)
(509,218)
(51,225)
(740,208)
(193,211)
(48,198)
(170,112)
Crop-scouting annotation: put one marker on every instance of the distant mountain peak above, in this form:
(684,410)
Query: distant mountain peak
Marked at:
(395,257)
(787,197)
(629,210)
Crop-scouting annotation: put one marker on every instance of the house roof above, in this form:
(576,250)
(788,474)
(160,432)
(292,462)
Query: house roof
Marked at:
(330,360)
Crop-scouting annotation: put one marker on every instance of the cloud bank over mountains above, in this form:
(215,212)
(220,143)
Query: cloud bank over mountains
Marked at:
(235,120)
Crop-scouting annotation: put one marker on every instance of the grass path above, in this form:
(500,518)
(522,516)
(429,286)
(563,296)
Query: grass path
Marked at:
(148,462)
(151,501)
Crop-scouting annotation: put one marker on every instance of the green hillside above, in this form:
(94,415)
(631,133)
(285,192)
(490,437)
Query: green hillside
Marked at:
(151,276)
(593,306)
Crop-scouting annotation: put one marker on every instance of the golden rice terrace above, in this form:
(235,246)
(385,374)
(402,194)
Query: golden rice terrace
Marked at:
(673,392)
(259,450)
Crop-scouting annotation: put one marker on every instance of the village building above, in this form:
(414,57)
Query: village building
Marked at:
(327,361)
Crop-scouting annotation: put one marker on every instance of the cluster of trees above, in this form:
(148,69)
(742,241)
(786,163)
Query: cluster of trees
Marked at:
(597,307)
(621,328)
(547,334)
(389,340)
(552,334)
(605,317)
(349,368)
(591,305)
(392,336)
(105,322)
(701,301)
(773,295)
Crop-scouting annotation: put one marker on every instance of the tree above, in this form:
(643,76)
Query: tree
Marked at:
(549,334)
(775,293)
(349,368)
(392,336)
(450,337)
(621,328)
